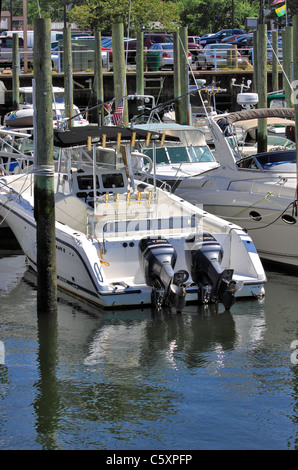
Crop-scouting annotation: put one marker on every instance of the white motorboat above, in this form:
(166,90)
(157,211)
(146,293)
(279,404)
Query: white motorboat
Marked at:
(182,153)
(280,129)
(258,192)
(122,242)
(24,116)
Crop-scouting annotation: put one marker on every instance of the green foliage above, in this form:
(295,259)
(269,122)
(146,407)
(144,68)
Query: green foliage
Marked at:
(209,16)
(136,15)
(200,16)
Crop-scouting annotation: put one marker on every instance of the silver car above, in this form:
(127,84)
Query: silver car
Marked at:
(215,55)
(166,52)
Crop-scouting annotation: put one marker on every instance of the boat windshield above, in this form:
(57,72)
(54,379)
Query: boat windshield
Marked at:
(27,98)
(179,154)
(269,160)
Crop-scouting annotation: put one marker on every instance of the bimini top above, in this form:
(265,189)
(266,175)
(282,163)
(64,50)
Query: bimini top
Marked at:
(287,113)
(79,135)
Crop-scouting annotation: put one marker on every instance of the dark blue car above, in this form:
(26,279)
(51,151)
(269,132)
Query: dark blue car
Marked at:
(219,36)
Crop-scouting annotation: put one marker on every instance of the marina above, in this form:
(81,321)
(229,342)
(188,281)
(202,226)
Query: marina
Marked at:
(148,261)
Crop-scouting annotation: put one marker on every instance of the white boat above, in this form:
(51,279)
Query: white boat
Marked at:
(280,129)
(258,192)
(23,117)
(179,151)
(122,242)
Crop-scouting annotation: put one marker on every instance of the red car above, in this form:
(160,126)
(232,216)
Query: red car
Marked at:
(194,50)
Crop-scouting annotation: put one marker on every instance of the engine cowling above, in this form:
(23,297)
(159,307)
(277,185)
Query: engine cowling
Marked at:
(204,258)
(158,259)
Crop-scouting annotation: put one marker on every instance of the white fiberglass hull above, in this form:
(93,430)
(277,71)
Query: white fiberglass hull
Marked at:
(106,270)
(267,220)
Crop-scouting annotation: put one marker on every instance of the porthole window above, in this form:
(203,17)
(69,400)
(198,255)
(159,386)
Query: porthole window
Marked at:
(288,219)
(255,215)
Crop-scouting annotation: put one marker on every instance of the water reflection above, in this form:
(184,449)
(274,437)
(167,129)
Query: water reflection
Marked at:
(47,402)
(135,378)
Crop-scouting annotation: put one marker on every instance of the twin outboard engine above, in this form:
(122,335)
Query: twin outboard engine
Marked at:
(203,258)
(204,262)
(158,259)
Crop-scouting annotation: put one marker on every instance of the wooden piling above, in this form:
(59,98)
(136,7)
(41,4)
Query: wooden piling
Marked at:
(140,64)
(275,85)
(287,53)
(67,68)
(184,76)
(44,200)
(177,71)
(120,86)
(255,61)
(98,77)
(15,72)
(262,84)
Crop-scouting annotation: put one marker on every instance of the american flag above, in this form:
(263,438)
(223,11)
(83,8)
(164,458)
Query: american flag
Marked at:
(117,116)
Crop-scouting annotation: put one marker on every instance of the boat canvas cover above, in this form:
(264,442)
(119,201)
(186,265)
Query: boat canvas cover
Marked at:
(287,113)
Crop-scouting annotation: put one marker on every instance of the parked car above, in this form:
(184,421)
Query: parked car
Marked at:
(166,54)
(219,36)
(149,40)
(244,43)
(270,51)
(193,39)
(232,38)
(6,50)
(194,50)
(215,55)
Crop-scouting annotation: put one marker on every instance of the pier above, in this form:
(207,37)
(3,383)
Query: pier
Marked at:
(158,84)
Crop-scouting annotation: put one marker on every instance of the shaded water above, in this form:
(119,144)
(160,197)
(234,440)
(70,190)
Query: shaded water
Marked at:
(132,380)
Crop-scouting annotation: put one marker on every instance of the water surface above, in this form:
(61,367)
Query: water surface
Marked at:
(132,380)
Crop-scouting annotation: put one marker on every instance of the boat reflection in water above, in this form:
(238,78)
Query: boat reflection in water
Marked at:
(141,379)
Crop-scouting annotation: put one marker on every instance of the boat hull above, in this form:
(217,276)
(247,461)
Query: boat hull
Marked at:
(81,269)
(273,230)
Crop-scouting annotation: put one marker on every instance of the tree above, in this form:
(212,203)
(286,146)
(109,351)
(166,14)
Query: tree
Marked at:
(136,15)
(209,16)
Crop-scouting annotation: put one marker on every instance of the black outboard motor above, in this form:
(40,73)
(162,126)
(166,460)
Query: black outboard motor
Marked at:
(204,260)
(158,259)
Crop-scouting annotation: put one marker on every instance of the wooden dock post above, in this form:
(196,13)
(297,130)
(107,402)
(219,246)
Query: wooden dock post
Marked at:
(67,68)
(140,64)
(177,72)
(275,86)
(44,199)
(119,72)
(262,84)
(184,76)
(287,53)
(15,72)
(98,77)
